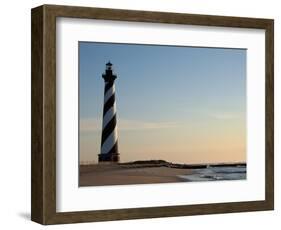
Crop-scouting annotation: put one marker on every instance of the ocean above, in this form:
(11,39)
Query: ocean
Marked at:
(217,173)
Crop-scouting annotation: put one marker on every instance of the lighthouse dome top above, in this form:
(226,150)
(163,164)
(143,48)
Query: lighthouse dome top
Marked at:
(109,64)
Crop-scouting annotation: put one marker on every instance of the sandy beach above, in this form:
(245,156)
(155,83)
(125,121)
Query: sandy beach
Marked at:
(114,174)
(157,171)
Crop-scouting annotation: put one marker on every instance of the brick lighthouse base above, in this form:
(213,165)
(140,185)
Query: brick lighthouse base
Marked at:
(110,158)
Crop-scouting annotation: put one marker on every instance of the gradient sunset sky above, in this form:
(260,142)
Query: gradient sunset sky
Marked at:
(179,104)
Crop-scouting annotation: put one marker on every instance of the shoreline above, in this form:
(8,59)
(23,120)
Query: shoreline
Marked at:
(141,172)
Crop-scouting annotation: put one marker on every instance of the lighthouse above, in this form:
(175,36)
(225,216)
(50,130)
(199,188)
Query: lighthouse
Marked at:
(109,139)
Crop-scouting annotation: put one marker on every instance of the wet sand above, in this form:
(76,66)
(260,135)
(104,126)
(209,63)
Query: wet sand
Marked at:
(114,174)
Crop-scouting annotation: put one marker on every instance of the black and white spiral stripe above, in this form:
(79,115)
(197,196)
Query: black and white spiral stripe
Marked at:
(109,142)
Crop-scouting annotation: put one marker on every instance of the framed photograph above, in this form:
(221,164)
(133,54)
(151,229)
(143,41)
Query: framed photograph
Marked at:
(141,114)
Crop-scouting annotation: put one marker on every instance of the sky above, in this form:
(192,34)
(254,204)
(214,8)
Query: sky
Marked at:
(179,104)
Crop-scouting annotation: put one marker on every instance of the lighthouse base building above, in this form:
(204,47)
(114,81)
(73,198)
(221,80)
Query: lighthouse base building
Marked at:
(109,158)
(109,140)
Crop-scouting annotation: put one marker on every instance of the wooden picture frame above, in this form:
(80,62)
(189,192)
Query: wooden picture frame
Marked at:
(43,202)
